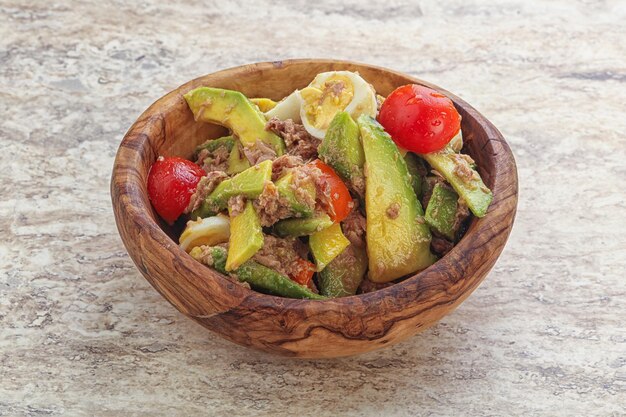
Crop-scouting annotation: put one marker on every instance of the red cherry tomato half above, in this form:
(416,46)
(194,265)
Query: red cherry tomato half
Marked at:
(340,198)
(419,118)
(171,182)
(304,273)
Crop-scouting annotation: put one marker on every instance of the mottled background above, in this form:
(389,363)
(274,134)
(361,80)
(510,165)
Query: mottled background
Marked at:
(82,333)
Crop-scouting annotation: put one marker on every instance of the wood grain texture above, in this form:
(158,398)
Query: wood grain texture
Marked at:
(301,328)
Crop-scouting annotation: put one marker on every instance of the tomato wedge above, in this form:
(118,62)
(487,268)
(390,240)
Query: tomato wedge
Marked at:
(171,182)
(419,118)
(340,202)
(305,272)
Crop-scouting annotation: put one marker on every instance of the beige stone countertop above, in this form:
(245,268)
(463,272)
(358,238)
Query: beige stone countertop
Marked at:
(82,333)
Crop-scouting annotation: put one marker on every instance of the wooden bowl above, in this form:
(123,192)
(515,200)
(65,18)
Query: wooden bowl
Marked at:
(301,328)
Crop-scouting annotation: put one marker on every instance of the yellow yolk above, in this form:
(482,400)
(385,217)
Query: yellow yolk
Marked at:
(322,103)
(264,104)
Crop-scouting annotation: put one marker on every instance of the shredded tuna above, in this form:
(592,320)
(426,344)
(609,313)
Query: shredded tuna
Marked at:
(462,168)
(462,213)
(431,181)
(467,158)
(302,182)
(281,254)
(297,140)
(281,164)
(322,187)
(270,206)
(259,152)
(354,226)
(216,160)
(393,210)
(206,256)
(236,205)
(205,186)
(440,246)
(357,184)
(332,89)
(202,155)
(337,88)
(437,174)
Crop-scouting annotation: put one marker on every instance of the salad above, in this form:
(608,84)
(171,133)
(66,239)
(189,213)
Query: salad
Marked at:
(330,192)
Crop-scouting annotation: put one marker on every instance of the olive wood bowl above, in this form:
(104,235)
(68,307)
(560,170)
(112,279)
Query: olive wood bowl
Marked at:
(301,328)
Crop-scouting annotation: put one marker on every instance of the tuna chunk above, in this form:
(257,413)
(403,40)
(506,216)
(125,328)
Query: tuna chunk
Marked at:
(205,186)
(259,152)
(297,140)
(271,207)
(281,254)
(213,161)
(354,227)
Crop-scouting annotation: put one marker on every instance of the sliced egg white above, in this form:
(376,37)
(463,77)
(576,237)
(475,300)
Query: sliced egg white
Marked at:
(209,231)
(332,92)
(287,108)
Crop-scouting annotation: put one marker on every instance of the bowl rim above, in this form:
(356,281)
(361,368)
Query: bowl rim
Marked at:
(129,208)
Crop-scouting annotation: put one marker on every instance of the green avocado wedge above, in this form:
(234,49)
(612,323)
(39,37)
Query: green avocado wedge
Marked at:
(327,244)
(341,149)
(441,210)
(417,170)
(344,274)
(258,276)
(236,161)
(302,227)
(465,180)
(286,187)
(248,183)
(246,237)
(233,110)
(398,239)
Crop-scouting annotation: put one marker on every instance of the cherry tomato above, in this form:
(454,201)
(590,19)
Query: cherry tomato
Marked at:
(305,272)
(340,198)
(419,118)
(171,182)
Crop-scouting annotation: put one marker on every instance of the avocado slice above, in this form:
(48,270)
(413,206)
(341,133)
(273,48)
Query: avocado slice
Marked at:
(465,180)
(441,210)
(342,149)
(233,110)
(327,244)
(302,227)
(417,170)
(398,239)
(236,161)
(287,189)
(249,183)
(246,237)
(344,274)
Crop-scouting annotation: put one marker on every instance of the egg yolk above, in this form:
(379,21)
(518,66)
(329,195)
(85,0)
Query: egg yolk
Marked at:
(322,103)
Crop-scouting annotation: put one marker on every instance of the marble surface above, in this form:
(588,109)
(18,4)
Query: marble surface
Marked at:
(82,333)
